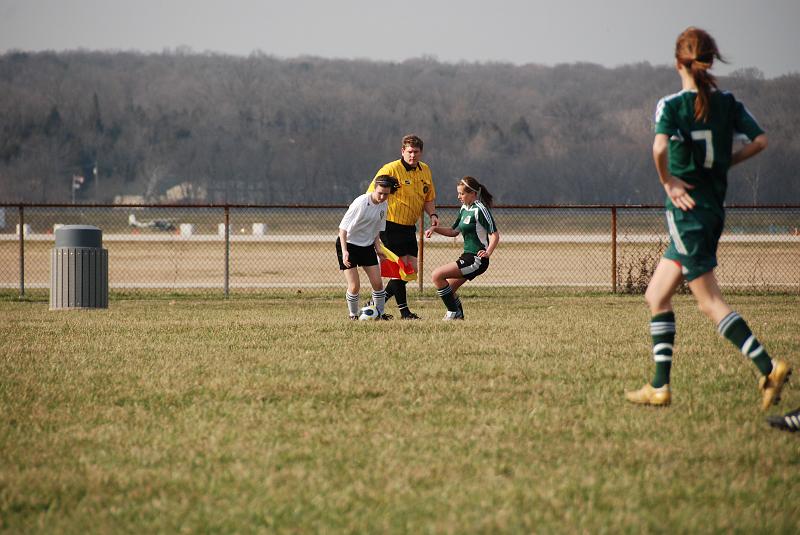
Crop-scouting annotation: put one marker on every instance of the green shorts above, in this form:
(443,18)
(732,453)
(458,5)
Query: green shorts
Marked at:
(694,236)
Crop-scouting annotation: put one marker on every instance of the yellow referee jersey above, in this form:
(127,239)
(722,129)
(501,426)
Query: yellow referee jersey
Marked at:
(416,188)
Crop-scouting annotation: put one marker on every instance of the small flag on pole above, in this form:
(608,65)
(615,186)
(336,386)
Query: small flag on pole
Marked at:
(394,268)
(77,180)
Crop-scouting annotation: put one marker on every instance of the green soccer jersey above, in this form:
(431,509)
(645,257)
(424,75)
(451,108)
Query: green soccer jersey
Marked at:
(700,152)
(475,223)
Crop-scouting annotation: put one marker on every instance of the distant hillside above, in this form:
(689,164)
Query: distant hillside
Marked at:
(266,130)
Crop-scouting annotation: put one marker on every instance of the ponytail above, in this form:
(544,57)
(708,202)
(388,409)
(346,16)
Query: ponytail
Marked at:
(704,81)
(695,49)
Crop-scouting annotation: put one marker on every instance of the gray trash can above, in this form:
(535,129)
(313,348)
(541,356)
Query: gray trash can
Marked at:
(78,268)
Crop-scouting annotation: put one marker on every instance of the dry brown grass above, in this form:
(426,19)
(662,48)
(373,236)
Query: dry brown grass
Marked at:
(278,415)
(180,264)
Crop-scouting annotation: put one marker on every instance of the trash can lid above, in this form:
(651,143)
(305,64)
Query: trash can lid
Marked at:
(79,236)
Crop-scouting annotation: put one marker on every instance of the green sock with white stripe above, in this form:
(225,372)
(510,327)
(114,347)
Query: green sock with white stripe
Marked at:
(446,294)
(735,329)
(662,330)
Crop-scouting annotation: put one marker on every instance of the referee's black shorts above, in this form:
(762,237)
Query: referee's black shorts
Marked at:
(359,256)
(400,239)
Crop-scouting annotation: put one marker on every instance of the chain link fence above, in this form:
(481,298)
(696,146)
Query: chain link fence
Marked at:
(235,248)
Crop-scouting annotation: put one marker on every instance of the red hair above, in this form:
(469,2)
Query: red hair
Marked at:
(695,49)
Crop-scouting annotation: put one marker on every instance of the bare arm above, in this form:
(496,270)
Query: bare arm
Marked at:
(430,209)
(494,239)
(378,244)
(749,150)
(677,190)
(444,231)
(343,241)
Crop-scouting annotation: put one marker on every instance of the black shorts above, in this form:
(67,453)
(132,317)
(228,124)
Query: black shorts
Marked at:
(359,256)
(472,265)
(400,239)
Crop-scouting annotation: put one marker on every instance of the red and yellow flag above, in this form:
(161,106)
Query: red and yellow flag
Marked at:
(394,268)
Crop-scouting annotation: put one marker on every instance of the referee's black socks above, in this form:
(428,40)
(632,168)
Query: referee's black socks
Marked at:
(390,288)
(397,288)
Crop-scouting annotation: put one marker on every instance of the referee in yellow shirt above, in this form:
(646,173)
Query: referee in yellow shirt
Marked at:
(415,194)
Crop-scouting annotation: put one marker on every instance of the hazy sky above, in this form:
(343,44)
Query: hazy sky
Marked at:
(750,33)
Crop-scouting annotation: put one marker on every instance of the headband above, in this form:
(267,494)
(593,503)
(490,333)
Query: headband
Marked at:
(388,182)
(463,183)
(478,191)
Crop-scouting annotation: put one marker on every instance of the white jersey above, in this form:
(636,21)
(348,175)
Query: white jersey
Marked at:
(364,220)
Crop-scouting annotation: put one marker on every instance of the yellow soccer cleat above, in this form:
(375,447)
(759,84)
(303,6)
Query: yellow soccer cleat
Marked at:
(772,384)
(647,395)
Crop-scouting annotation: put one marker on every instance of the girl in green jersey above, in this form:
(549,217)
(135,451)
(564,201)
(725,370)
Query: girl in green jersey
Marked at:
(693,150)
(476,224)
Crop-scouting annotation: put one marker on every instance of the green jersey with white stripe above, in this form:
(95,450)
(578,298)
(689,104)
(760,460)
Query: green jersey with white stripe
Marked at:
(700,152)
(475,223)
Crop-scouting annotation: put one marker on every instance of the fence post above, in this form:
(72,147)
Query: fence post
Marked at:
(227,248)
(614,249)
(421,247)
(21,251)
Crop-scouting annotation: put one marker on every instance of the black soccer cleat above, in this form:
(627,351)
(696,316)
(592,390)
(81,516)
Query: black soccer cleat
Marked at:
(385,317)
(410,316)
(787,422)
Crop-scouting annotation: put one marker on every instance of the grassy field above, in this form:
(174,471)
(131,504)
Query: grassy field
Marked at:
(273,413)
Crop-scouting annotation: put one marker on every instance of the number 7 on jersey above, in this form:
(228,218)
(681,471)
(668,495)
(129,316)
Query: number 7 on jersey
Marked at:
(705,135)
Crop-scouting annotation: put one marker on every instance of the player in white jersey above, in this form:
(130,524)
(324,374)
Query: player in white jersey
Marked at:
(359,242)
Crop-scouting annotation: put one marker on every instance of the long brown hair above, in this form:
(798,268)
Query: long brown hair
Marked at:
(472,184)
(695,49)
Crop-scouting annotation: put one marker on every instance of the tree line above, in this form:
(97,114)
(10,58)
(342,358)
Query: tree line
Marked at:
(261,129)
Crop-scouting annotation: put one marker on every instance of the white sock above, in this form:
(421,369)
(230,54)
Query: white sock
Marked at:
(352,303)
(379,298)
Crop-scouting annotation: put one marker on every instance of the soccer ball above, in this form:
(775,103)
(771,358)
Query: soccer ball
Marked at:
(369,312)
